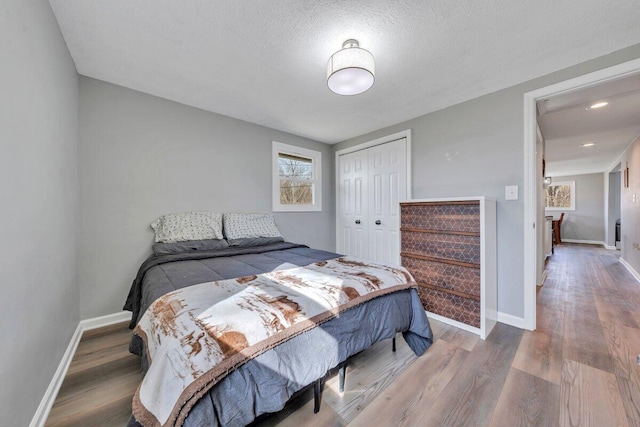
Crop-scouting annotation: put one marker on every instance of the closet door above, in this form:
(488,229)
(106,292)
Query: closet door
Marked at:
(353,222)
(372,182)
(387,188)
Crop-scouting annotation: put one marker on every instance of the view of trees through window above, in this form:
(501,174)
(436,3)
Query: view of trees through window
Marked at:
(296,179)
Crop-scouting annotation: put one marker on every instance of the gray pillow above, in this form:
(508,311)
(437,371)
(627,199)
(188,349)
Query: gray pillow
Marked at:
(255,241)
(189,245)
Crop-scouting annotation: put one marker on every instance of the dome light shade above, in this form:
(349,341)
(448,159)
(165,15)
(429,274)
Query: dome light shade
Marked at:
(351,70)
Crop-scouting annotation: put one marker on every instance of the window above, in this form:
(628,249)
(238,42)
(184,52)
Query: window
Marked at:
(561,196)
(297,181)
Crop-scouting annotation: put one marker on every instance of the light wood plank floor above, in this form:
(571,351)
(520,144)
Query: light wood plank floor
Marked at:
(578,369)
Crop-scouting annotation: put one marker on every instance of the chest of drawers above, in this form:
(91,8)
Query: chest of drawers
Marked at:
(449,246)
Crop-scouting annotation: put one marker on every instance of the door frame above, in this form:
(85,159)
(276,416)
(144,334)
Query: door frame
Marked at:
(530,172)
(610,227)
(379,141)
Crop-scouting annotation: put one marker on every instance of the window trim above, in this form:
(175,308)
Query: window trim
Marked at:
(316,157)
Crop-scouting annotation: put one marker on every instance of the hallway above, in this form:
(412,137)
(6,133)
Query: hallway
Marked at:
(588,337)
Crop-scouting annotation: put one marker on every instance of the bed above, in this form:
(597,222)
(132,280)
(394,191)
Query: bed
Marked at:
(266,380)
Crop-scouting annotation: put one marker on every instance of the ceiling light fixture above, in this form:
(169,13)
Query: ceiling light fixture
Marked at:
(588,144)
(598,105)
(351,70)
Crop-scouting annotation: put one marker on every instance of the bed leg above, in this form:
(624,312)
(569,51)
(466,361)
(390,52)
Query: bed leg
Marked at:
(317,395)
(393,344)
(342,373)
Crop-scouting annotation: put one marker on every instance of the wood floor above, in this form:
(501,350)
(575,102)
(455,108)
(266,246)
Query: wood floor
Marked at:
(100,382)
(577,369)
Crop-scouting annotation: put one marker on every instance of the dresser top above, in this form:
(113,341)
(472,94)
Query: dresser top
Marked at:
(451,199)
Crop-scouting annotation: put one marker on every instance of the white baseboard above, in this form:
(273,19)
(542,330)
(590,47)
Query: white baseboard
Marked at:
(49,397)
(509,319)
(42,413)
(586,242)
(632,270)
(545,273)
(612,248)
(452,322)
(102,321)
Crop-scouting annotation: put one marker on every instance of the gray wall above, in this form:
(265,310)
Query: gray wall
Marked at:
(630,208)
(587,221)
(477,148)
(142,156)
(38,195)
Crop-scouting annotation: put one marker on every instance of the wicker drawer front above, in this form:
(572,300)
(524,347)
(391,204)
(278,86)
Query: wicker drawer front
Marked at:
(454,307)
(448,276)
(443,217)
(452,247)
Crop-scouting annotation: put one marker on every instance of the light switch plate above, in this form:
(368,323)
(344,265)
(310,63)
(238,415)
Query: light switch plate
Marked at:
(511,192)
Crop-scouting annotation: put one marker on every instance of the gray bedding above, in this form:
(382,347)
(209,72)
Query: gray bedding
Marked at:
(266,383)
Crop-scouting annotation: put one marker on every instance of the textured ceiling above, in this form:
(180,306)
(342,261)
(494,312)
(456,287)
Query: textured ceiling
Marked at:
(264,61)
(567,123)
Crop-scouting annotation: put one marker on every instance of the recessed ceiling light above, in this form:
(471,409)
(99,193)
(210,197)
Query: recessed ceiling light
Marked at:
(588,144)
(598,105)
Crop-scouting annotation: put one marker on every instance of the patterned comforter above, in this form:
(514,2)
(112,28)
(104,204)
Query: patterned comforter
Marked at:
(197,335)
(266,382)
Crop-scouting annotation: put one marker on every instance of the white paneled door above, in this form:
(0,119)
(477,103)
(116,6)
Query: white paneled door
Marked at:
(372,183)
(353,204)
